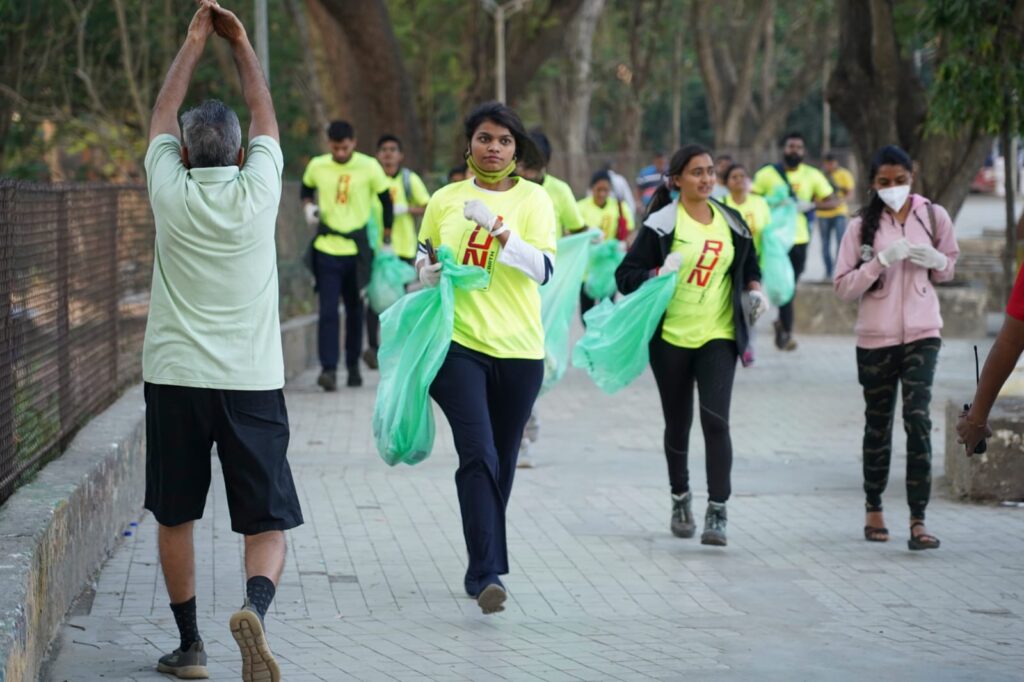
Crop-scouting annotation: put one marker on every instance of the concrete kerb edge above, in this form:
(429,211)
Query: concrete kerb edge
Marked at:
(57,530)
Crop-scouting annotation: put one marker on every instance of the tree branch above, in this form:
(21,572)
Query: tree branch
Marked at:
(141,110)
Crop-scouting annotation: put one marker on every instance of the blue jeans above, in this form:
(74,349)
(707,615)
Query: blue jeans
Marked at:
(836,224)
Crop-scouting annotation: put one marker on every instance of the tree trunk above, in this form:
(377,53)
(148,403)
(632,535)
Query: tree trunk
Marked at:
(311,82)
(385,83)
(580,50)
(879,98)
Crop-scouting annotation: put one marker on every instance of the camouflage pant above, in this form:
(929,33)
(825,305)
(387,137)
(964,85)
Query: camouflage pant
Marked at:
(880,371)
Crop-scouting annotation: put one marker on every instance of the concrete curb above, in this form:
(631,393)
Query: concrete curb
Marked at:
(57,530)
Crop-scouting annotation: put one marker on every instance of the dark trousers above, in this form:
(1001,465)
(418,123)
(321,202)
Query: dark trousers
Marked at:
(881,371)
(337,278)
(487,402)
(586,303)
(712,367)
(372,329)
(798,257)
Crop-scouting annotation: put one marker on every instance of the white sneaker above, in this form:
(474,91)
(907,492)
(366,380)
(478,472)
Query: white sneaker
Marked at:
(524,461)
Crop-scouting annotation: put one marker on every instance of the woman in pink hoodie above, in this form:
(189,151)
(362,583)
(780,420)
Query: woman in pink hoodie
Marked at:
(891,256)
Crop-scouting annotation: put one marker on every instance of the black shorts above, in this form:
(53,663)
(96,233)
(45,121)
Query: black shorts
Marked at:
(250,429)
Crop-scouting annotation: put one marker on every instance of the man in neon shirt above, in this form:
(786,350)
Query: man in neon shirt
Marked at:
(650,178)
(344,183)
(811,190)
(833,220)
(566,211)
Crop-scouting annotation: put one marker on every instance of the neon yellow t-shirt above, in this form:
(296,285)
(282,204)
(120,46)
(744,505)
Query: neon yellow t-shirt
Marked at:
(503,320)
(808,184)
(345,194)
(403,230)
(756,214)
(604,218)
(844,183)
(701,308)
(566,212)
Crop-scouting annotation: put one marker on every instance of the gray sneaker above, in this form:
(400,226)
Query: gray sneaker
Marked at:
(683,525)
(189,664)
(714,525)
(258,664)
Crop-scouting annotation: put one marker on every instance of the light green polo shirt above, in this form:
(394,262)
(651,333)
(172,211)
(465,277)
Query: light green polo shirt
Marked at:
(213,320)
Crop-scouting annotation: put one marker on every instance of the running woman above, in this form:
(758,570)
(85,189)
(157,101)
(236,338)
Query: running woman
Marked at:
(892,255)
(344,183)
(409,197)
(494,369)
(704,329)
(601,211)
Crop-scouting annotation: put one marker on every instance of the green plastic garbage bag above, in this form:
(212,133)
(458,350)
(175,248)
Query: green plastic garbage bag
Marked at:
(777,276)
(559,298)
(604,260)
(415,335)
(614,350)
(388,278)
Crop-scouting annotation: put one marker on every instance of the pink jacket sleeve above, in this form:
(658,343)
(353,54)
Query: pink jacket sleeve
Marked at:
(946,243)
(850,281)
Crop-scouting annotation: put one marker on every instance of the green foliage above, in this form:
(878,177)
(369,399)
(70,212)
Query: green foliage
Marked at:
(979,78)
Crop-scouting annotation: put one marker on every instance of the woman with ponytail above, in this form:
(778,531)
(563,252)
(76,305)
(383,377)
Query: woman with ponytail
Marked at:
(705,328)
(893,253)
(495,364)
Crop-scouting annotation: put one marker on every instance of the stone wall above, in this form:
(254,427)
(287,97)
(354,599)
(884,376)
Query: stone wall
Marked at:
(998,474)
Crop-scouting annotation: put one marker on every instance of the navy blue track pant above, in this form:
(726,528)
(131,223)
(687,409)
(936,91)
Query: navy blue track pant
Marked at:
(487,402)
(337,277)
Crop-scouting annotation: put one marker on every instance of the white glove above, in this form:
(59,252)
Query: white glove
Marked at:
(312,214)
(400,209)
(387,249)
(897,251)
(672,263)
(597,236)
(925,256)
(805,206)
(478,212)
(759,304)
(430,274)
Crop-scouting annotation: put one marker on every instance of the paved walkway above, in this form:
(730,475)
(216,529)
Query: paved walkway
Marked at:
(599,589)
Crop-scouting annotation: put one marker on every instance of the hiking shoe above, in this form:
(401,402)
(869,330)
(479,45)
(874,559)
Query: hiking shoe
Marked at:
(714,525)
(328,380)
(355,379)
(189,664)
(781,336)
(370,358)
(258,664)
(683,525)
(790,343)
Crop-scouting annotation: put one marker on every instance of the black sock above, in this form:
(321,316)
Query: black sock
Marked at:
(185,617)
(260,591)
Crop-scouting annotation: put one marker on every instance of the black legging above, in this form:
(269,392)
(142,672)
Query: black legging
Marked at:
(713,367)
(798,257)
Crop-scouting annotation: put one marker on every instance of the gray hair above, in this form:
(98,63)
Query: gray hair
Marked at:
(212,135)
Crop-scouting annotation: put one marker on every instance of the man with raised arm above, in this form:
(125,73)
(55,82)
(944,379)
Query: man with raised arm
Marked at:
(212,360)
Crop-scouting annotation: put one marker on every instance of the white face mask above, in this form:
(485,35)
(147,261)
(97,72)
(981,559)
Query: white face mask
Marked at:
(894,197)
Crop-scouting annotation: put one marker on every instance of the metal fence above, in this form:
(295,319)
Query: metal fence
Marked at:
(75,269)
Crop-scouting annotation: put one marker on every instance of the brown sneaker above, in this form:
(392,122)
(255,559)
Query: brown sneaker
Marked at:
(370,358)
(258,664)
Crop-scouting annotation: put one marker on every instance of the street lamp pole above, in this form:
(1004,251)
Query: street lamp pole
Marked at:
(501,12)
(262,50)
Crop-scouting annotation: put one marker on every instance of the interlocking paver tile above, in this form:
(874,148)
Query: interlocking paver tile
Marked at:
(599,589)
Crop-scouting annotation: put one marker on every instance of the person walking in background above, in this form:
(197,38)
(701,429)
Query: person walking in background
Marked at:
(832,221)
(721,188)
(495,364)
(809,188)
(756,214)
(409,197)
(602,211)
(620,188)
(458,173)
(338,191)
(212,360)
(704,329)
(566,211)
(972,426)
(897,248)
(650,178)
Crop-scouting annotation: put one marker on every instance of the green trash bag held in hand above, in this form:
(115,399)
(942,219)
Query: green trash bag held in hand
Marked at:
(559,298)
(604,261)
(614,350)
(388,278)
(415,335)
(777,276)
